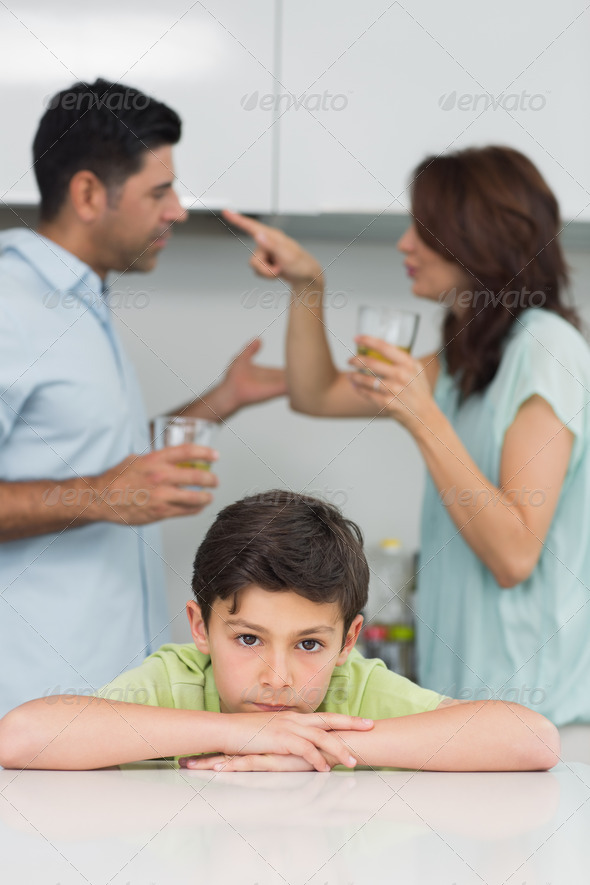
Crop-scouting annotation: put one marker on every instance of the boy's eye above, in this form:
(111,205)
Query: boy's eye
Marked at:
(310,644)
(247,639)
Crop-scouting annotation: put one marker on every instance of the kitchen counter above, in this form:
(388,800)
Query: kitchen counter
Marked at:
(152,825)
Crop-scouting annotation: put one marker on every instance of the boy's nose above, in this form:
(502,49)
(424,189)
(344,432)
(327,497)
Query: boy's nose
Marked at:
(275,673)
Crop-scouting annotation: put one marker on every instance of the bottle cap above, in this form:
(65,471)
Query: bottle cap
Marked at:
(374,632)
(390,544)
(401,633)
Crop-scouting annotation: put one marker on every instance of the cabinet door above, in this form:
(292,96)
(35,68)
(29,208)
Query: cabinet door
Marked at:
(371,88)
(211,62)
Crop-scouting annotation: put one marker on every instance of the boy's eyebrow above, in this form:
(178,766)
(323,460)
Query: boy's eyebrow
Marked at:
(238,622)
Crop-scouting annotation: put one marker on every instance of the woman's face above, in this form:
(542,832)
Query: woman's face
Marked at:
(432,275)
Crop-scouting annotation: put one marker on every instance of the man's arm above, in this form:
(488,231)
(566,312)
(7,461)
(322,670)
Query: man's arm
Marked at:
(140,490)
(457,736)
(76,732)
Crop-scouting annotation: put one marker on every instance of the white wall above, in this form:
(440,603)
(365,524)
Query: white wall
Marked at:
(181,323)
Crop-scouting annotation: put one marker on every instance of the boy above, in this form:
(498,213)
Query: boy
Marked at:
(279,583)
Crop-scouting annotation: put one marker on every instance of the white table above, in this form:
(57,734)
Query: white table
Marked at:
(152,826)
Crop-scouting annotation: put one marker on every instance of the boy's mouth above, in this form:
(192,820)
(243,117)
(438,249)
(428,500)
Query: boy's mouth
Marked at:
(273,708)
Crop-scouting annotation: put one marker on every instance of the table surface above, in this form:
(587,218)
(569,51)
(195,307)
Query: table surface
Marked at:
(152,825)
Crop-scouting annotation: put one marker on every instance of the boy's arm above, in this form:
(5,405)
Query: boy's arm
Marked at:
(457,736)
(462,736)
(78,732)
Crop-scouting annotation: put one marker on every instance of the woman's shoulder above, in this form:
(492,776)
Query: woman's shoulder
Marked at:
(546,336)
(547,327)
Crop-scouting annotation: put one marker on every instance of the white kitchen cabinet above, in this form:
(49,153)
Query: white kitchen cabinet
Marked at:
(301,107)
(211,62)
(376,86)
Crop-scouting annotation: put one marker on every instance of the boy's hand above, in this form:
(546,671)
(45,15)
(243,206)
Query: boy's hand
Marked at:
(251,762)
(309,736)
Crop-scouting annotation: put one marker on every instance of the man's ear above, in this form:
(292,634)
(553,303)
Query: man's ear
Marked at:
(351,638)
(198,629)
(88,195)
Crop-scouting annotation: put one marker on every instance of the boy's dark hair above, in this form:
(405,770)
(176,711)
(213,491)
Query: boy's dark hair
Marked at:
(282,540)
(102,126)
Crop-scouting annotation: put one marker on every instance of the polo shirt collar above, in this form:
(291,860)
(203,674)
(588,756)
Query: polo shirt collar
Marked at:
(62,270)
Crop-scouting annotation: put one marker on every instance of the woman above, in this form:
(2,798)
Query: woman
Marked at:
(500,415)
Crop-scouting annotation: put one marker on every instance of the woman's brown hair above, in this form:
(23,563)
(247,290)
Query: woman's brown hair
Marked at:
(490,211)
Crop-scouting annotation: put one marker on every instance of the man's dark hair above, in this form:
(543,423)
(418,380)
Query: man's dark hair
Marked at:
(103,127)
(282,540)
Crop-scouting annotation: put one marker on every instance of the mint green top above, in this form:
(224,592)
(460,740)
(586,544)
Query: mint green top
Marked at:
(530,643)
(180,676)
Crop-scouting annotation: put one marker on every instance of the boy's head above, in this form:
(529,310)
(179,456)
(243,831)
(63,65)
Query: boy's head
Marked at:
(279,583)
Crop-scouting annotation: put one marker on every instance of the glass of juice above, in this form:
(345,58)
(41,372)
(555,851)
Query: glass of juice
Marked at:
(176,430)
(398,327)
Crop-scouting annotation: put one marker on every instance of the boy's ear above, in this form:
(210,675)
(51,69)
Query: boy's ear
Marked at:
(198,629)
(351,638)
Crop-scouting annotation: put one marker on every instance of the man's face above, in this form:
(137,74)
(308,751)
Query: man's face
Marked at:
(276,652)
(137,221)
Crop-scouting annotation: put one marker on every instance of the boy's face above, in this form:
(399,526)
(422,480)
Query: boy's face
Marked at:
(276,652)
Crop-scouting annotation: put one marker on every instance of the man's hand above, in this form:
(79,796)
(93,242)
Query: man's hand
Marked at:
(146,488)
(245,383)
(276,254)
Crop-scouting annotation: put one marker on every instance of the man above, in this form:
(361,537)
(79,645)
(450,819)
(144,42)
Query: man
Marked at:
(79,487)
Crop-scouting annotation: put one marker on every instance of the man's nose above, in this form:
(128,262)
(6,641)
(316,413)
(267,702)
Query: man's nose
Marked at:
(174,210)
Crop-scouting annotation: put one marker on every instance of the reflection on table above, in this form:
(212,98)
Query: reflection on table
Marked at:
(152,824)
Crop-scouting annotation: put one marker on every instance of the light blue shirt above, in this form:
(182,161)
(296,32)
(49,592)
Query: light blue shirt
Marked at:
(529,643)
(79,606)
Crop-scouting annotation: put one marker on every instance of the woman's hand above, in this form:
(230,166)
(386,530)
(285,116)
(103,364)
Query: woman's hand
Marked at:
(398,384)
(276,254)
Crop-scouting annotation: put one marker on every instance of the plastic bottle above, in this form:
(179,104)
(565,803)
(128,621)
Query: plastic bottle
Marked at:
(389,630)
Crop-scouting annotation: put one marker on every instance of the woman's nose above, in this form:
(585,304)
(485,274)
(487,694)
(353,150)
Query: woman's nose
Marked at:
(406,241)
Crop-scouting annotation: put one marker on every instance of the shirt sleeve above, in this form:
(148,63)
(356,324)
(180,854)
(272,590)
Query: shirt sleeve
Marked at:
(549,358)
(15,372)
(388,695)
(147,684)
